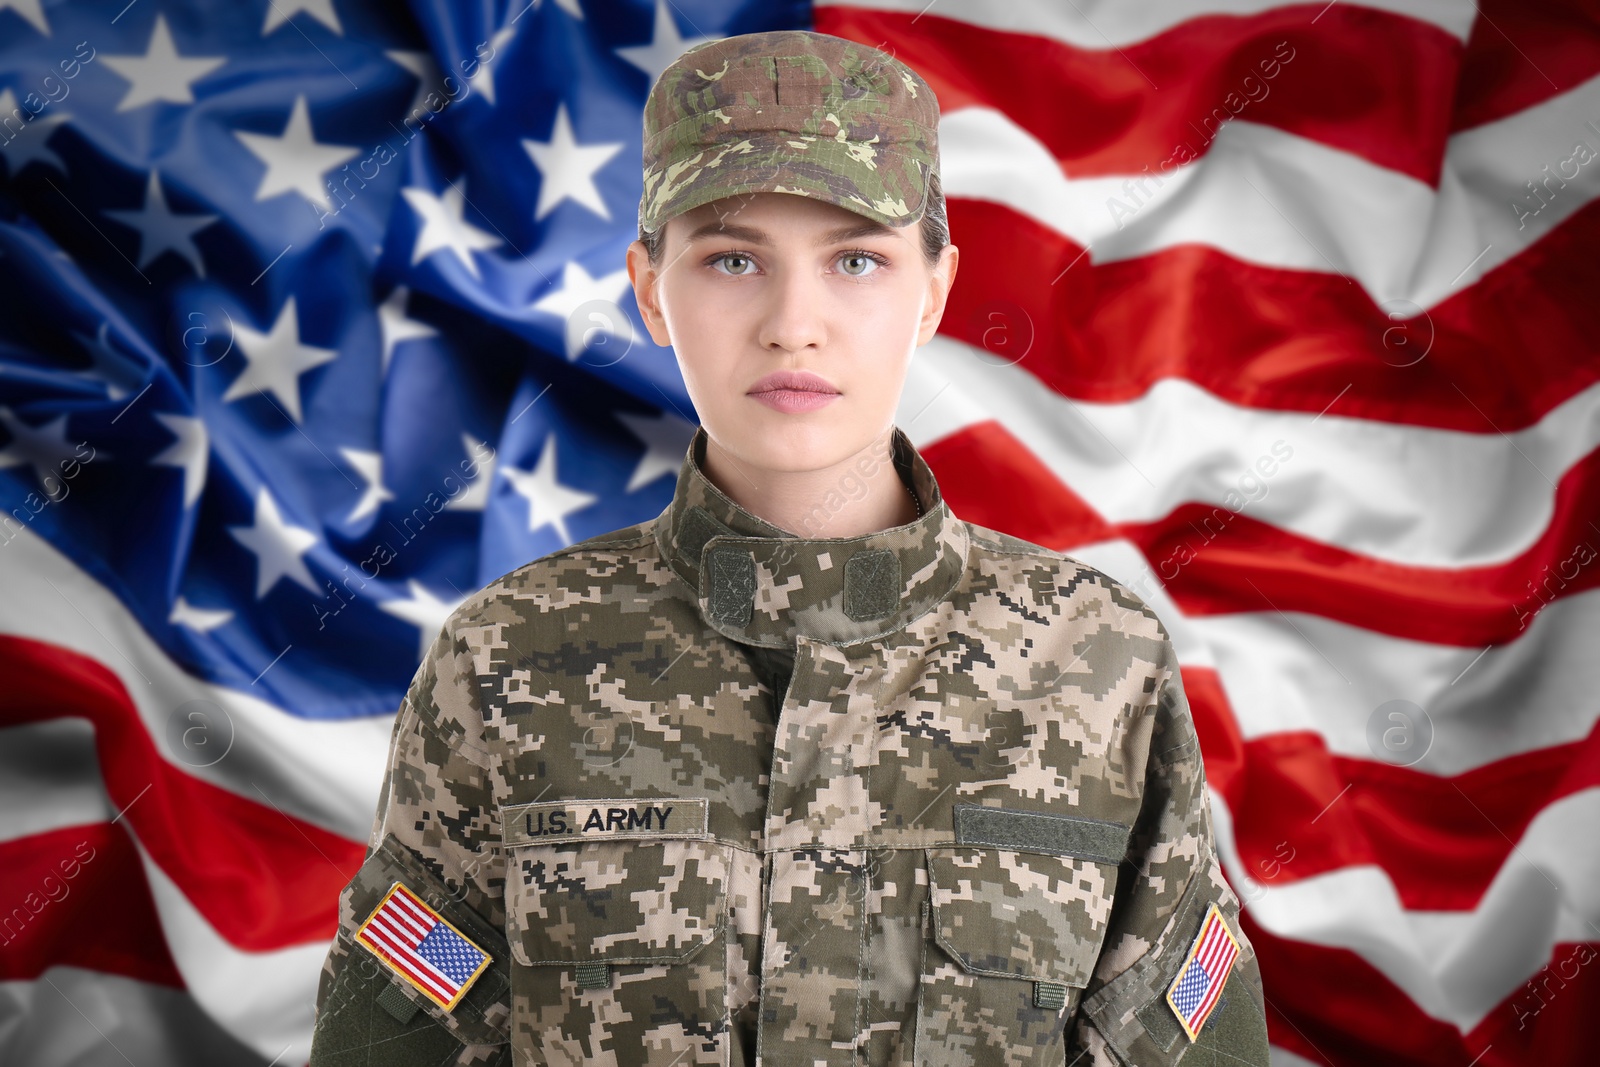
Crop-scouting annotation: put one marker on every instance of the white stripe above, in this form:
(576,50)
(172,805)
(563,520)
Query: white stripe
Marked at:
(265,999)
(1292,672)
(327,773)
(1284,672)
(1267,196)
(69,1017)
(1455,966)
(49,778)
(1101,24)
(1402,494)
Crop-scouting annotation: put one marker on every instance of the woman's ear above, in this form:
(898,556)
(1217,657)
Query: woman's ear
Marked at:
(647,293)
(940,279)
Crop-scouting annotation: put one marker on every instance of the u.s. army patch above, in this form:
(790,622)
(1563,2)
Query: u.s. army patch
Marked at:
(1195,991)
(417,944)
(553,821)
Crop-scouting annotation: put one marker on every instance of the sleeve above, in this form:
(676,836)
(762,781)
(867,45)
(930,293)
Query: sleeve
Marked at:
(1166,889)
(437,835)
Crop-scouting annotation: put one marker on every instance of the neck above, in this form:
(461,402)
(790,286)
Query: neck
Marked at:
(835,501)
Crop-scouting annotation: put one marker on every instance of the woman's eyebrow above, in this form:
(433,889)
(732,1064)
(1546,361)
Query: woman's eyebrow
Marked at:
(751,235)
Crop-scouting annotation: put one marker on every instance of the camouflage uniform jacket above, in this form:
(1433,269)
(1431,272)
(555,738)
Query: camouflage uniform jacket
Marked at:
(710,793)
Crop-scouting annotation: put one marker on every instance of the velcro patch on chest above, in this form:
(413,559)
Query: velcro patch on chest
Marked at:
(553,821)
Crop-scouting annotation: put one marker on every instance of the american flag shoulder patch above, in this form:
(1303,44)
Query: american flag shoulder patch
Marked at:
(418,944)
(1197,988)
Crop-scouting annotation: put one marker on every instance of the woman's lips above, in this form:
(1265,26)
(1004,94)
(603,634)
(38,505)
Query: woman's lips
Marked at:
(794,400)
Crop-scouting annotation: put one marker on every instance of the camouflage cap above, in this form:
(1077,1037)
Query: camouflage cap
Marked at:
(789,111)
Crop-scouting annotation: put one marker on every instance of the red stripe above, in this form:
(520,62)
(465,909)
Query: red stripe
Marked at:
(1521,54)
(264,880)
(1332,1007)
(1218,969)
(1500,355)
(1213,561)
(1300,811)
(1216,941)
(1198,1019)
(77,897)
(1367,82)
(1249,565)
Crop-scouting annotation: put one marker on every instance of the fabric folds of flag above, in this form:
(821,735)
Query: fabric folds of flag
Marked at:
(314,319)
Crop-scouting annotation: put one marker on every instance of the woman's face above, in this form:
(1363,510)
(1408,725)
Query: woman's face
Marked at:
(777,282)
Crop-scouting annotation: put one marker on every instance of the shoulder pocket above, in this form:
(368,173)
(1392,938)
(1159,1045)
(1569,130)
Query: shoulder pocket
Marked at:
(365,1002)
(1015,935)
(604,933)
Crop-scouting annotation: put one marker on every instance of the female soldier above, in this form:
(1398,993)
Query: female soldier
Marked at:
(806,769)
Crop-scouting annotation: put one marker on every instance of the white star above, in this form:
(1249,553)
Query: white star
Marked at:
(549,502)
(476,495)
(278,12)
(666,44)
(571,7)
(189,453)
(109,367)
(666,439)
(30,10)
(567,169)
(27,145)
(578,287)
(278,546)
(370,466)
(423,610)
(161,230)
(443,226)
(44,448)
(276,360)
(483,77)
(160,74)
(422,67)
(200,620)
(396,326)
(296,161)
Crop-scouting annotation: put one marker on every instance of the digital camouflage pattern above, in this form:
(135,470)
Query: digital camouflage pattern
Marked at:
(789,111)
(712,793)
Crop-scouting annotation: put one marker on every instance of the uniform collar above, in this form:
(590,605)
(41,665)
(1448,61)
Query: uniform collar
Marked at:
(762,585)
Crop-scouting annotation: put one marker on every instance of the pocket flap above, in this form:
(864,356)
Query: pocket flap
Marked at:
(650,901)
(1020,914)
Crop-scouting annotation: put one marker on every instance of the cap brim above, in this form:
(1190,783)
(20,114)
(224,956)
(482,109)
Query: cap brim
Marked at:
(885,184)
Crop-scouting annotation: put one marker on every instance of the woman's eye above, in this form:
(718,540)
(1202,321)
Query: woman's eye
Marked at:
(857,264)
(735,258)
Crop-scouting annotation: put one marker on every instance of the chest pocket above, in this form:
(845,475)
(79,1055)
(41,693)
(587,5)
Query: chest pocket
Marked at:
(618,944)
(1014,935)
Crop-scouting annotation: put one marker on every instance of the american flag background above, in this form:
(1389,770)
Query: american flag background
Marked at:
(314,320)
